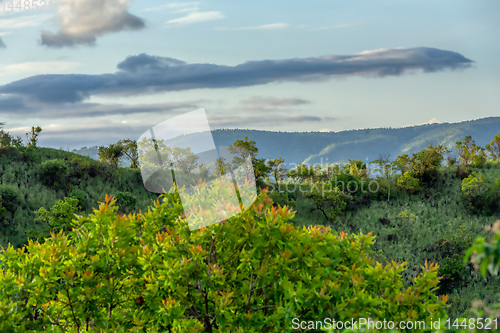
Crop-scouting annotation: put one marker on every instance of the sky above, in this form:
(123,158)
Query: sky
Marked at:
(91,72)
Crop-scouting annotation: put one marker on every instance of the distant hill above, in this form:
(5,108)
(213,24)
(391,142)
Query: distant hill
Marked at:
(364,144)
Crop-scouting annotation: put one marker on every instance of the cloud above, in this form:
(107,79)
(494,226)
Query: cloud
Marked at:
(246,122)
(38,67)
(145,74)
(257,101)
(195,18)
(15,106)
(177,7)
(144,62)
(2,44)
(82,21)
(25,21)
(273,26)
(343,26)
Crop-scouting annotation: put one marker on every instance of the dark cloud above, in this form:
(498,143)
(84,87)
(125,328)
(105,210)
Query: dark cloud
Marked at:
(145,62)
(17,107)
(2,44)
(144,74)
(82,21)
(258,101)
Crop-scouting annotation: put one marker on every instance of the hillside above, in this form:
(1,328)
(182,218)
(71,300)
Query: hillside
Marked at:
(364,144)
(24,188)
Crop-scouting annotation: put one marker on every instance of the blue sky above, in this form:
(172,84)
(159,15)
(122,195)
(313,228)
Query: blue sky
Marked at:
(118,67)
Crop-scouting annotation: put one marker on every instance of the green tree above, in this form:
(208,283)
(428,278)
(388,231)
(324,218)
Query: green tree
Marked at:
(330,202)
(302,172)
(53,172)
(32,136)
(111,154)
(252,273)
(494,147)
(60,216)
(409,182)
(470,153)
(386,168)
(277,169)
(241,149)
(130,151)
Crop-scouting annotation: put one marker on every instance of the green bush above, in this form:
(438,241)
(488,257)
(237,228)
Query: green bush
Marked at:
(481,195)
(408,182)
(251,273)
(126,201)
(9,197)
(53,172)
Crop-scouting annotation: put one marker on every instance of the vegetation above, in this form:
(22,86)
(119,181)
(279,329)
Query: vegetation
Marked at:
(331,240)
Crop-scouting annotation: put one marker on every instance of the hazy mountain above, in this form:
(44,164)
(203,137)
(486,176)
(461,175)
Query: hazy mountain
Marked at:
(365,144)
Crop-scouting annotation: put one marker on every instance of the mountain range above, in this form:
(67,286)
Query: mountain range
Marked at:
(361,144)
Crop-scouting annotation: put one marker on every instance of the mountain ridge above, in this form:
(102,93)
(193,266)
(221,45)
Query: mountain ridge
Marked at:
(363,144)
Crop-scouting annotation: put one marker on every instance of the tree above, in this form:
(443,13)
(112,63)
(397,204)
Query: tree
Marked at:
(470,153)
(277,168)
(302,172)
(403,163)
(130,150)
(53,172)
(242,149)
(386,168)
(330,202)
(494,147)
(111,154)
(252,273)
(409,183)
(221,167)
(60,215)
(32,136)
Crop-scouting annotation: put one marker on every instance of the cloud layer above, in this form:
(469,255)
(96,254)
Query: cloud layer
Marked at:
(82,21)
(144,74)
(2,44)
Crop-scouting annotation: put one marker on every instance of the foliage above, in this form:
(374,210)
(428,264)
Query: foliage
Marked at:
(252,273)
(53,172)
(486,255)
(470,153)
(60,215)
(386,168)
(277,169)
(408,182)
(242,149)
(32,136)
(111,154)
(480,194)
(494,147)
(330,202)
(126,201)
(301,173)
(450,251)
(130,150)
(9,197)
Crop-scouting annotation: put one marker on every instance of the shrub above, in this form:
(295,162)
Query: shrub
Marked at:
(81,196)
(253,273)
(126,201)
(53,172)
(480,194)
(408,182)
(9,197)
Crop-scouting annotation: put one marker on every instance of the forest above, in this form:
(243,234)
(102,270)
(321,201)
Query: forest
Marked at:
(414,237)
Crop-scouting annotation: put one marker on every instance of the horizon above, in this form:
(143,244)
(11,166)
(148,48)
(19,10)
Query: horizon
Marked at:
(91,72)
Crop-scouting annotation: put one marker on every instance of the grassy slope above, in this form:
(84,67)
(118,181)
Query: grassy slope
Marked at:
(20,170)
(440,218)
